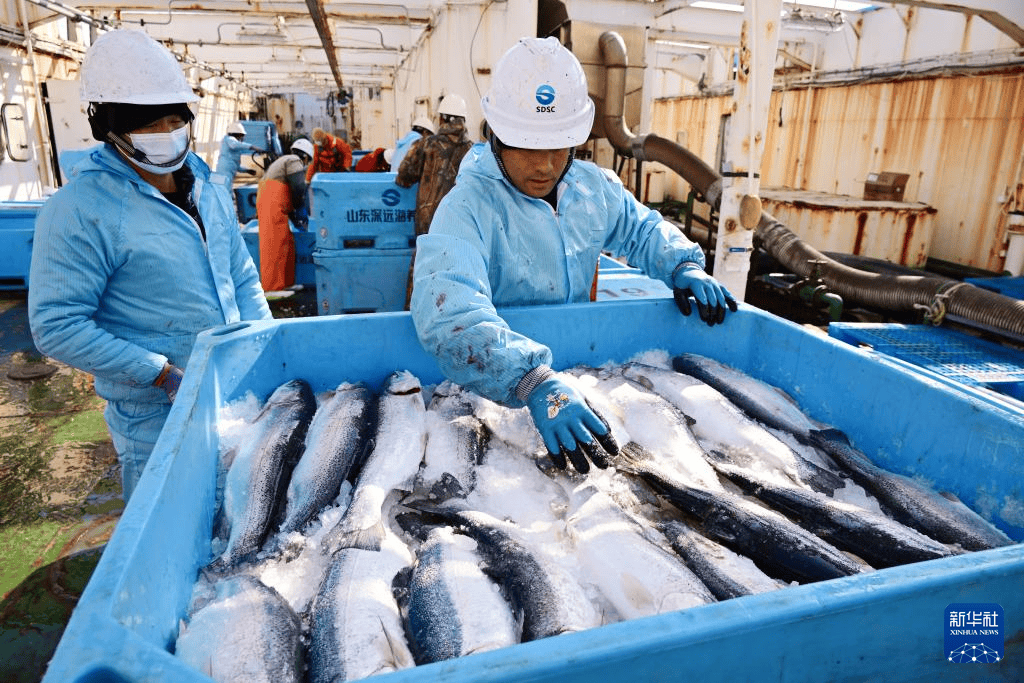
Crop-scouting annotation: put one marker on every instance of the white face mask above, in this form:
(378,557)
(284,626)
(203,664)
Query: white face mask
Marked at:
(165,152)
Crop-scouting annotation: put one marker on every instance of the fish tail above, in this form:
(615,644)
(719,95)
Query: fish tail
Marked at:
(370,538)
(633,458)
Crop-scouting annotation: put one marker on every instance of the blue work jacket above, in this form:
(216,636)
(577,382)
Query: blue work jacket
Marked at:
(123,281)
(230,159)
(491,245)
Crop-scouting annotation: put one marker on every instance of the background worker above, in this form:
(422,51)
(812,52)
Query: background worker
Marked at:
(433,162)
(377,161)
(526,224)
(421,128)
(229,162)
(140,251)
(332,154)
(280,197)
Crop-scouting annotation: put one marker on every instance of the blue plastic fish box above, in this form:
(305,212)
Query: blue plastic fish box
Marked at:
(263,134)
(305,269)
(245,199)
(881,626)
(361,280)
(362,211)
(17,228)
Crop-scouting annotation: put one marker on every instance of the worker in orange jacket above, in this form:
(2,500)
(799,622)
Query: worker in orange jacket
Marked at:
(377,161)
(282,197)
(332,154)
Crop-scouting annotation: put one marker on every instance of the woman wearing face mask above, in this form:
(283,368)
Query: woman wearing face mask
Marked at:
(139,252)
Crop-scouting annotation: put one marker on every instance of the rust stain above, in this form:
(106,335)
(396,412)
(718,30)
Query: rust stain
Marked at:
(731,225)
(858,240)
(908,239)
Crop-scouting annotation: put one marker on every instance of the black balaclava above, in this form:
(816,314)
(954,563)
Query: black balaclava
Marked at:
(496,147)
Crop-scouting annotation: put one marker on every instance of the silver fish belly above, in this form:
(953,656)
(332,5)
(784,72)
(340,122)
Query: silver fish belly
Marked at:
(636,576)
(334,445)
(246,634)
(258,476)
(454,609)
(355,624)
(392,464)
(548,596)
(456,441)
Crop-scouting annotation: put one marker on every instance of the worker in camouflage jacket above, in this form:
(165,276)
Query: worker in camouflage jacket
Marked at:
(433,162)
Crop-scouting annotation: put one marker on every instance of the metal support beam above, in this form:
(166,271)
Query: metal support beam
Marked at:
(986,9)
(741,208)
(323,29)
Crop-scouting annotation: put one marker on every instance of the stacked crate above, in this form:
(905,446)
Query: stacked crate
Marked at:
(364,228)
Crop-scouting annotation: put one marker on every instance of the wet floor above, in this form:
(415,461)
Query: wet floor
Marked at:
(61,488)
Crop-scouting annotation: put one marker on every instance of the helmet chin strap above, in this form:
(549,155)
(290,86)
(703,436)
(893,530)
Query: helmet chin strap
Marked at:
(496,147)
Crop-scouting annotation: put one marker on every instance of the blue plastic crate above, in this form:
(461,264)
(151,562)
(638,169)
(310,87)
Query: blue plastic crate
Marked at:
(361,280)
(1007,286)
(305,243)
(883,626)
(945,353)
(245,200)
(263,134)
(362,211)
(17,229)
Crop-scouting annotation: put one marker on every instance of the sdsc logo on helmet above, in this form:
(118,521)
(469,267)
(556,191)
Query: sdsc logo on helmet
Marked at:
(546,97)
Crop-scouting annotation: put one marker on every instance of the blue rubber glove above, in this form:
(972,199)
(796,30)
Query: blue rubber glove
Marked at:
(711,296)
(170,380)
(569,426)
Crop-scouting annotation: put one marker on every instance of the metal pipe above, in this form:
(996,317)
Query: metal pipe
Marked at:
(938,298)
(44,143)
(648,147)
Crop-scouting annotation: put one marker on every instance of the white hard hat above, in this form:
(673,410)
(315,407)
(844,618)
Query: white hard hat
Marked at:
(303,145)
(423,122)
(129,67)
(538,97)
(452,105)
(236,128)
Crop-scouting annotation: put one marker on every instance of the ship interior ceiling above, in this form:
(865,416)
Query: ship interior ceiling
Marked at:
(317,47)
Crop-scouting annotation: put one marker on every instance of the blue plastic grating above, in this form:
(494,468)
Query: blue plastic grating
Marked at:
(951,354)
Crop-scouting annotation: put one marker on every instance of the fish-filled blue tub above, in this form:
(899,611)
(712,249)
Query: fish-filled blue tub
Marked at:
(884,625)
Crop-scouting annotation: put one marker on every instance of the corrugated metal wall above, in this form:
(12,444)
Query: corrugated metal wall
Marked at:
(959,137)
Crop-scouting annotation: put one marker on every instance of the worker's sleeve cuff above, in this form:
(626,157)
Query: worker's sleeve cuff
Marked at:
(530,381)
(686,265)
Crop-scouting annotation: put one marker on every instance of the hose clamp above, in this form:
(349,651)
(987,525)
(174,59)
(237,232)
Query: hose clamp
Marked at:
(935,312)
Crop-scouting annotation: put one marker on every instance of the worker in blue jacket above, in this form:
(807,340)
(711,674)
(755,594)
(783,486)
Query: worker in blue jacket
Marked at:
(140,251)
(421,128)
(526,224)
(229,162)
